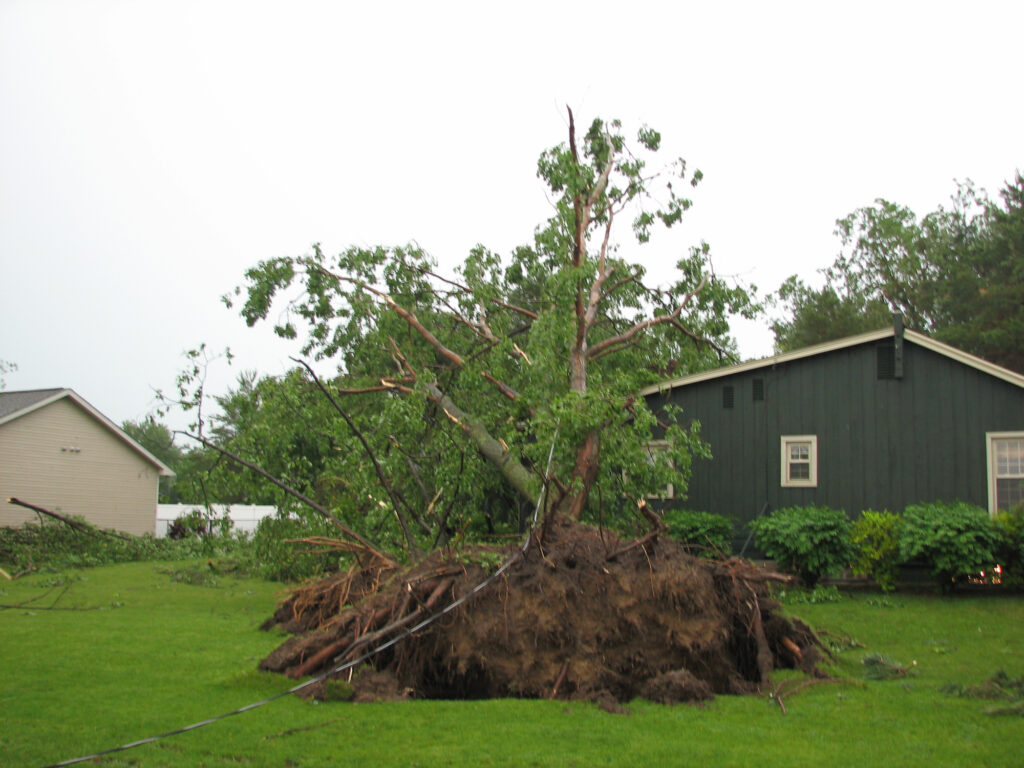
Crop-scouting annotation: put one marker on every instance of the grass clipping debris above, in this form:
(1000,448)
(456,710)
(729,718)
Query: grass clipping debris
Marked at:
(583,615)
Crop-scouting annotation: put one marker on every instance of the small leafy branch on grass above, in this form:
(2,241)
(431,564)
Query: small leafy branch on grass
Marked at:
(998,687)
(955,540)
(811,542)
(881,667)
(837,643)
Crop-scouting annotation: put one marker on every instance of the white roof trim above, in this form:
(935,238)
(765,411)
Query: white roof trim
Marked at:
(84,405)
(966,358)
(850,341)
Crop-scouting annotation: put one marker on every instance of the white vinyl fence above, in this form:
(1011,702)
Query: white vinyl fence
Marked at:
(245,517)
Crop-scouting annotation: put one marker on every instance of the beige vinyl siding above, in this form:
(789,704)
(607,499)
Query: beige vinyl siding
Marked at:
(61,458)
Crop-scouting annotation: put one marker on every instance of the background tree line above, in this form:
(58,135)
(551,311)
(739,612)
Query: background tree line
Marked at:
(956,273)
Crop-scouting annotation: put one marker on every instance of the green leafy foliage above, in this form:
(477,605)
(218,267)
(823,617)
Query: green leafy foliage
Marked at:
(819,594)
(955,540)
(277,554)
(53,547)
(875,537)
(454,389)
(703,533)
(811,542)
(816,315)
(999,686)
(6,367)
(1010,549)
(197,523)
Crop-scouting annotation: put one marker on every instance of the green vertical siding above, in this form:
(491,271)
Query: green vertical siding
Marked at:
(882,443)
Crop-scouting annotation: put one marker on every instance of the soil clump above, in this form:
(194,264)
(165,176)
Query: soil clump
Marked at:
(581,614)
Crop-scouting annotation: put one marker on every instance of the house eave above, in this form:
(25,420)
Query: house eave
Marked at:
(850,341)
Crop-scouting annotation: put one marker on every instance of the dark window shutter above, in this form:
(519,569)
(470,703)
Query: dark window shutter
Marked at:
(886,356)
(758,389)
(728,396)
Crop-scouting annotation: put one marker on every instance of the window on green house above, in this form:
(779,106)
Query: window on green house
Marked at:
(1005,470)
(799,461)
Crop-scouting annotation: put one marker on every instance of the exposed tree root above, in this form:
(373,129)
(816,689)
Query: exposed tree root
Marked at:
(586,617)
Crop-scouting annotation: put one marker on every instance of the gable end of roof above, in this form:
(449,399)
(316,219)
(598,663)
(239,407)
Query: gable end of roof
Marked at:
(913,337)
(14,405)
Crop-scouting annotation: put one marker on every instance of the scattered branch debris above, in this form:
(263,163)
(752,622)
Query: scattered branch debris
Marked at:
(998,687)
(881,667)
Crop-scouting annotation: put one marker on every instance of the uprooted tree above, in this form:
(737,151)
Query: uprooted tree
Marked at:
(509,384)
(504,354)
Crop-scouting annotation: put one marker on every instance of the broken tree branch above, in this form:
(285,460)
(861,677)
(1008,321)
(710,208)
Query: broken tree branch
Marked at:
(367,547)
(396,501)
(91,530)
(506,390)
(408,315)
(518,476)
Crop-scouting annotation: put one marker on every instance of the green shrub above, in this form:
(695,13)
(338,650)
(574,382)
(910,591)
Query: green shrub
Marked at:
(798,596)
(1010,550)
(702,533)
(955,540)
(876,547)
(809,541)
(198,522)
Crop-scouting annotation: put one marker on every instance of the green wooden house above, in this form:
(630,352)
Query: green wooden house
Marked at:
(875,421)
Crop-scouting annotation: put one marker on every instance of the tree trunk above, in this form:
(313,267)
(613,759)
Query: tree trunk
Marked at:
(588,462)
(518,476)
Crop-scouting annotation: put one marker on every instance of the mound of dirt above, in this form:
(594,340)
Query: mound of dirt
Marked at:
(582,615)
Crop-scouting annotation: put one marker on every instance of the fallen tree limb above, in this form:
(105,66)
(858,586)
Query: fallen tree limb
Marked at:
(633,545)
(90,530)
(397,503)
(366,546)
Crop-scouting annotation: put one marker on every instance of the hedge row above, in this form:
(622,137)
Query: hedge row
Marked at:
(955,541)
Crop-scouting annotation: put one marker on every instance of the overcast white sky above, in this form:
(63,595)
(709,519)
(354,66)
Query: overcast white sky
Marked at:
(151,151)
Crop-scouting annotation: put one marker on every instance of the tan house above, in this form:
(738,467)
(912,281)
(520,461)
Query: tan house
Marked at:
(60,453)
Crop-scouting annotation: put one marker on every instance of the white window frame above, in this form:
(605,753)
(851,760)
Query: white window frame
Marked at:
(786,442)
(669,491)
(990,465)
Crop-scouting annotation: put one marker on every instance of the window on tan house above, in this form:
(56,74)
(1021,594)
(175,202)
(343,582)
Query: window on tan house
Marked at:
(799,461)
(1005,470)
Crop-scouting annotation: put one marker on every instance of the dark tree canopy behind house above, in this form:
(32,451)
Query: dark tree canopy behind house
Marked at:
(956,273)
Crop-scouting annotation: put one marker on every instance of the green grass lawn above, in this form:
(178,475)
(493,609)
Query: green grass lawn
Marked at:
(148,654)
